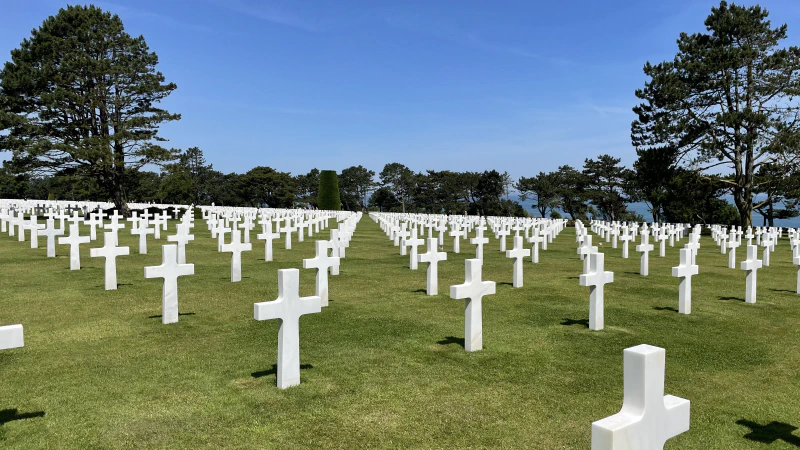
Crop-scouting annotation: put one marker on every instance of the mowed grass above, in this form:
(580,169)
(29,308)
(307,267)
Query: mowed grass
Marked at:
(383,365)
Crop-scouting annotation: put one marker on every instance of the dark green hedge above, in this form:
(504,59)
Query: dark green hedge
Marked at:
(328,197)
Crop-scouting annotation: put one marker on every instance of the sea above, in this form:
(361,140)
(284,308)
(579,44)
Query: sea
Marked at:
(641,208)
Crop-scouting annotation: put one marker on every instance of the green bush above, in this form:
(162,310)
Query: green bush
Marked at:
(328,196)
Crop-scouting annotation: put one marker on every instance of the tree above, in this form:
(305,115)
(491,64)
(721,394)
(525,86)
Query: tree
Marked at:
(543,189)
(80,94)
(728,99)
(355,184)
(572,188)
(605,183)
(781,192)
(652,178)
(308,187)
(329,197)
(265,186)
(383,199)
(400,179)
(194,165)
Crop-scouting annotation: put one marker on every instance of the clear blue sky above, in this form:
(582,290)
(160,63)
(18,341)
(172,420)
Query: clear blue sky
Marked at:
(517,86)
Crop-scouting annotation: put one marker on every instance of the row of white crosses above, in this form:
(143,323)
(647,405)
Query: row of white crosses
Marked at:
(402,229)
(289,306)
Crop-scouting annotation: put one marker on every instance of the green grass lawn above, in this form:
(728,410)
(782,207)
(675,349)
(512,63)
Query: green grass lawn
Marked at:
(383,365)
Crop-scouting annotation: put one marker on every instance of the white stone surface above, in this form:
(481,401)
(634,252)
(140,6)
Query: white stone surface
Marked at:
(432,257)
(751,266)
(684,271)
(648,418)
(288,307)
(181,238)
(596,279)
(267,236)
(50,232)
(170,269)
(473,291)
(322,262)
(644,248)
(74,240)
(236,247)
(11,336)
(517,253)
(110,251)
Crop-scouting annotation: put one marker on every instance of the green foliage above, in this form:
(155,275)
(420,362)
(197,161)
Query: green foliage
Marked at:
(728,98)
(80,95)
(572,188)
(355,185)
(383,199)
(308,187)
(554,214)
(329,198)
(264,186)
(606,180)
(544,189)
(400,180)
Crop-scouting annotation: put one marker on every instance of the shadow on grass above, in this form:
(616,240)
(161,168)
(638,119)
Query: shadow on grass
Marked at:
(570,322)
(452,340)
(773,431)
(506,283)
(179,314)
(424,291)
(631,273)
(10,415)
(228,278)
(730,298)
(665,308)
(118,285)
(784,290)
(573,278)
(274,370)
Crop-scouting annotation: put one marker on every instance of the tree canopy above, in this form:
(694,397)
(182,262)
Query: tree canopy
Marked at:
(80,97)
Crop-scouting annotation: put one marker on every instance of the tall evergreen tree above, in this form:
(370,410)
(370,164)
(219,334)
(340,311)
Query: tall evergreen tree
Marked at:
(728,99)
(80,94)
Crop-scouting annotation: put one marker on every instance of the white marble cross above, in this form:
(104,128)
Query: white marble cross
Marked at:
(473,291)
(322,262)
(337,249)
(95,219)
(288,229)
(267,236)
(457,233)
(648,418)
(535,240)
(288,307)
(110,251)
(596,279)
(236,247)
(751,265)
(35,227)
(141,229)
(501,235)
(170,269)
(479,241)
(114,226)
(74,241)
(685,270)
(517,253)
(432,258)
(767,243)
(796,262)
(413,243)
(732,245)
(644,248)
(11,336)
(50,232)
(182,237)
(585,250)
(625,237)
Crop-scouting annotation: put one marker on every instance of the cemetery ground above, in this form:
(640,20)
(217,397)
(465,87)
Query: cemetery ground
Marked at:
(383,365)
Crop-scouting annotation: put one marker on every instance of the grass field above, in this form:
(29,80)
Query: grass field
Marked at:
(383,365)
